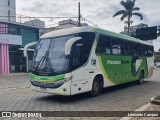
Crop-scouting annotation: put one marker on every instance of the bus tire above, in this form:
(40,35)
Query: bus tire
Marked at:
(141,78)
(96,87)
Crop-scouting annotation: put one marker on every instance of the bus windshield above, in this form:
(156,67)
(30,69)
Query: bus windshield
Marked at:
(49,56)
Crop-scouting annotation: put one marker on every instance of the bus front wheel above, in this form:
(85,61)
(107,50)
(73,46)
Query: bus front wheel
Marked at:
(96,87)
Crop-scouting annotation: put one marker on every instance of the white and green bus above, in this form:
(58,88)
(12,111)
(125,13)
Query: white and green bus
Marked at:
(88,59)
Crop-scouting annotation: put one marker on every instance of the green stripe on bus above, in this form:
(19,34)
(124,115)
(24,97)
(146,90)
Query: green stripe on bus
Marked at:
(45,78)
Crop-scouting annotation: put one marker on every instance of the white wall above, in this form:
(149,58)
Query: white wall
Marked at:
(4,8)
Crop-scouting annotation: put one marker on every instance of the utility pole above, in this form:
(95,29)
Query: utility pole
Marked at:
(79,14)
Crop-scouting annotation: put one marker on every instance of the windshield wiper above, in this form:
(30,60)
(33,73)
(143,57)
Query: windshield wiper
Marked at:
(42,60)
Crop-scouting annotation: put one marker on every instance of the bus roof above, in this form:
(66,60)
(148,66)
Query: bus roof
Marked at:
(67,31)
(74,30)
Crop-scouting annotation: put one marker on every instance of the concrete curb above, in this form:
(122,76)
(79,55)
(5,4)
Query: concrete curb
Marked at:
(153,101)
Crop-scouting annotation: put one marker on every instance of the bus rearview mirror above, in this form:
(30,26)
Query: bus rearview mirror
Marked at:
(70,43)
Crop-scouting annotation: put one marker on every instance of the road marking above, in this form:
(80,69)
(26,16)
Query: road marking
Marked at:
(12,89)
(139,109)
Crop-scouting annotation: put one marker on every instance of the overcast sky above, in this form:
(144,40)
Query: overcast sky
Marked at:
(99,12)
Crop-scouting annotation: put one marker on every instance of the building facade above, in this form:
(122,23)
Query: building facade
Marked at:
(132,30)
(8,10)
(37,23)
(13,37)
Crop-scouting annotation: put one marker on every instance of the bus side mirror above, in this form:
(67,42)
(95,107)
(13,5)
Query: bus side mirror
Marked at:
(69,44)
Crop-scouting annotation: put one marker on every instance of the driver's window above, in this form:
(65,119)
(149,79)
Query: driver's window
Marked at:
(78,55)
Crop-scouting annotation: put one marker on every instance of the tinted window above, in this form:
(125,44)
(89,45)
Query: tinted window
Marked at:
(144,50)
(150,51)
(78,55)
(104,45)
(117,46)
(81,49)
(147,50)
(87,41)
(137,49)
(128,48)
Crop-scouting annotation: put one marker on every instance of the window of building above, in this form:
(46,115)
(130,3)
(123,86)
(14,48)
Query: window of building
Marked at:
(117,46)
(3,29)
(9,2)
(13,30)
(9,15)
(104,45)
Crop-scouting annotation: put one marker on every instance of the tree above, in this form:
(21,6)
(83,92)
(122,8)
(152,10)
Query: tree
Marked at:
(129,11)
(159,50)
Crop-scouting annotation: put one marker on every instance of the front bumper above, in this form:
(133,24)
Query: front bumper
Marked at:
(63,89)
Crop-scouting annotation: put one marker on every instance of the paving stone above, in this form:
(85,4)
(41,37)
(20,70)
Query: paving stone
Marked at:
(128,98)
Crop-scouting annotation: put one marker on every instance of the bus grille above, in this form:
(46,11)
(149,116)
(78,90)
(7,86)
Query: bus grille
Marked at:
(45,84)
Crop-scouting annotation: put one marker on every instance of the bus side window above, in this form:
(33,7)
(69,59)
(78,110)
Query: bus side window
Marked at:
(147,50)
(117,46)
(131,48)
(128,48)
(150,51)
(81,49)
(104,45)
(137,49)
(78,55)
(144,50)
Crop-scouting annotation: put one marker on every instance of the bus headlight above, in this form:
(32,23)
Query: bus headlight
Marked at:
(68,79)
(64,80)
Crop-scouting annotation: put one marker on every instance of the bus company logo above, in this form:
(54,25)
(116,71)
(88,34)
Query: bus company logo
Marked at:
(93,61)
(111,62)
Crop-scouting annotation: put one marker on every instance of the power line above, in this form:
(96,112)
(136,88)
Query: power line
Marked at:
(54,17)
(89,22)
(39,17)
(51,25)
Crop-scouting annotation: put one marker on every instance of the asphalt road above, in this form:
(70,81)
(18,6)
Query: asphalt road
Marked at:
(15,95)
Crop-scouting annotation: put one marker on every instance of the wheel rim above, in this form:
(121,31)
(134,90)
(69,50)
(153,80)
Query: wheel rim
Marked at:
(96,87)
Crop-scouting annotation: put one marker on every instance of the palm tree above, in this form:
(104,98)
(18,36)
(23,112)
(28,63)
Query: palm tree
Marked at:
(129,10)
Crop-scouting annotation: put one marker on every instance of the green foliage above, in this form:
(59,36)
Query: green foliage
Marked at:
(157,98)
(129,11)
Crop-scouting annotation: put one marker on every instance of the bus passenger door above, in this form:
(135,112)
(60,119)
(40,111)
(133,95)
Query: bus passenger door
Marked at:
(78,85)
